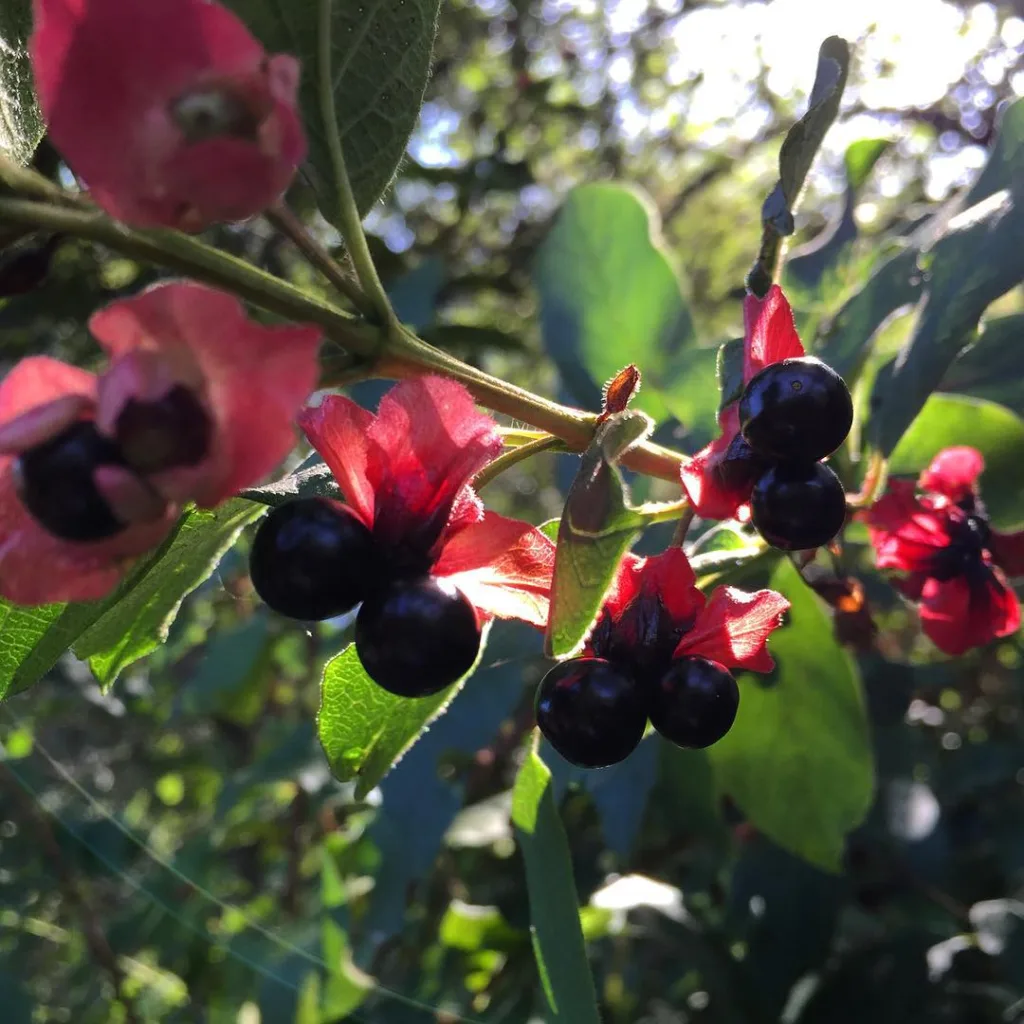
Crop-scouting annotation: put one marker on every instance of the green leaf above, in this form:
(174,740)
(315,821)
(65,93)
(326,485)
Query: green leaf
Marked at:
(729,372)
(380,62)
(345,987)
(1004,162)
(993,366)
(470,927)
(365,730)
(26,654)
(809,263)
(596,530)
(798,760)
(131,622)
(609,296)
(21,124)
(846,344)
(805,137)
(995,431)
(233,658)
(316,481)
(558,944)
(977,259)
(860,158)
(136,618)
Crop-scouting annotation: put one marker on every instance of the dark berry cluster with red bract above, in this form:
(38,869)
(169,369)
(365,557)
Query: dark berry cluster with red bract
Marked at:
(313,559)
(411,544)
(792,415)
(660,652)
(594,712)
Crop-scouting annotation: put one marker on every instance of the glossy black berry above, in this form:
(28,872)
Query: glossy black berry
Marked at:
(590,712)
(415,637)
(796,506)
(799,409)
(174,430)
(694,703)
(56,484)
(312,559)
(740,467)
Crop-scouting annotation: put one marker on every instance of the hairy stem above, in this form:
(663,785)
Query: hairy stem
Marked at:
(285,221)
(514,457)
(349,222)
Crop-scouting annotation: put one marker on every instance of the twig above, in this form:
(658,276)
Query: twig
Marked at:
(282,218)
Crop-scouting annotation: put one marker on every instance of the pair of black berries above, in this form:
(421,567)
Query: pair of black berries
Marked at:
(594,712)
(793,414)
(312,559)
(56,479)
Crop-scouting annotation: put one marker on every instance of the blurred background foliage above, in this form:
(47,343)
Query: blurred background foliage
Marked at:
(182,831)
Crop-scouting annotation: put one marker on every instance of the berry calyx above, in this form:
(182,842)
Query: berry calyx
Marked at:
(797,506)
(56,483)
(174,430)
(415,637)
(312,559)
(590,712)
(694,703)
(798,409)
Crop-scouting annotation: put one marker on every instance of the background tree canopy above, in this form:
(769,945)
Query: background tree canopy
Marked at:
(583,188)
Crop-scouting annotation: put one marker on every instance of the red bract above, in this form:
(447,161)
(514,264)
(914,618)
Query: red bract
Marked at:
(719,478)
(199,402)
(405,472)
(937,534)
(248,379)
(168,109)
(656,613)
(35,567)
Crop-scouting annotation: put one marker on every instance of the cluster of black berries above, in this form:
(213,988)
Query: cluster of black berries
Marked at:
(313,559)
(792,415)
(56,478)
(594,710)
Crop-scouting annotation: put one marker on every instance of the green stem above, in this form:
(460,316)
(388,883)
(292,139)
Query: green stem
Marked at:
(27,182)
(190,256)
(513,457)
(665,511)
(284,219)
(400,355)
(349,222)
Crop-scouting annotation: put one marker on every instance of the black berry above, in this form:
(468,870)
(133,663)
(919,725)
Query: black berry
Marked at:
(415,637)
(740,467)
(172,431)
(590,712)
(799,409)
(56,484)
(694,703)
(312,559)
(798,506)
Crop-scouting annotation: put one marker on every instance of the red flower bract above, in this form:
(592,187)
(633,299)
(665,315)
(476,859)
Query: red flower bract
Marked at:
(719,478)
(655,613)
(251,380)
(35,567)
(406,471)
(185,363)
(937,535)
(169,109)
